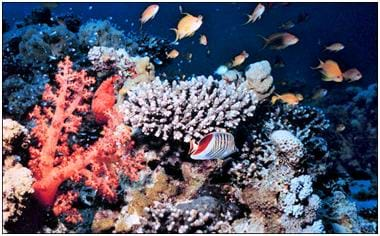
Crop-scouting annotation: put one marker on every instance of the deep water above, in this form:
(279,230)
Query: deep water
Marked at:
(353,24)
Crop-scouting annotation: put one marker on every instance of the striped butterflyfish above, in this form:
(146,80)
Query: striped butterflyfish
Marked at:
(216,145)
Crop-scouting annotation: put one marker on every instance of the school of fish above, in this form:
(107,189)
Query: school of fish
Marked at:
(218,145)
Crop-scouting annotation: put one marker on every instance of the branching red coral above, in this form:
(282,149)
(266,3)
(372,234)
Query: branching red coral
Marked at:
(53,161)
(63,205)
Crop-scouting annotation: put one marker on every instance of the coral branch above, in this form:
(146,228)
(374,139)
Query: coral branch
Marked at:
(54,161)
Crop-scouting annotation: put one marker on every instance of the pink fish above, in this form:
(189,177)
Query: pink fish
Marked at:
(216,145)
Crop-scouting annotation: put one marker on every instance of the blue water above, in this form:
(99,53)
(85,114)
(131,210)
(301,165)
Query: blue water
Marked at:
(353,24)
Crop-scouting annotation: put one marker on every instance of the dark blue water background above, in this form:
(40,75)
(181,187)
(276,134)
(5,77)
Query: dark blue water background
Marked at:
(353,24)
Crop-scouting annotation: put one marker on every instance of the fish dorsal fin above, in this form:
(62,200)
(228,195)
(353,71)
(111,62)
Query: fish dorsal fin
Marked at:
(203,144)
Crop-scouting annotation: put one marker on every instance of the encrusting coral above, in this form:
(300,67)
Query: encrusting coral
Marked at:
(188,109)
(17,188)
(12,132)
(54,161)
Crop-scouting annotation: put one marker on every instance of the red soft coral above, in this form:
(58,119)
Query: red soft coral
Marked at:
(53,161)
(104,99)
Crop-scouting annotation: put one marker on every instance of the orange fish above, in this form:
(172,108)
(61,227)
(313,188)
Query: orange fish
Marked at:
(149,13)
(187,26)
(239,59)
(352,75)
(203,40)
(335,47)
(280,41)
(256,14)
(330,70)
(172,54)
(104,99)
(289,98)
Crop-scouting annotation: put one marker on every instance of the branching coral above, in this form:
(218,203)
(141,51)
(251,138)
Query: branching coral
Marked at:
(200,215)
(53,161)
(188,109)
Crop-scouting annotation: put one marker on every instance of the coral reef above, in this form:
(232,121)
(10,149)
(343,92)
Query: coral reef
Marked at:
(100,33)
(20,95)
(258,78)
(197,107)
(13,132)
(201,215)
(53,161)
(17,189)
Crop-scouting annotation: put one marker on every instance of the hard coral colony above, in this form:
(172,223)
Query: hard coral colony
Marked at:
(127,144)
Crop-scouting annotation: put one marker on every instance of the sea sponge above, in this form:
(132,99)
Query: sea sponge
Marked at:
(188,109)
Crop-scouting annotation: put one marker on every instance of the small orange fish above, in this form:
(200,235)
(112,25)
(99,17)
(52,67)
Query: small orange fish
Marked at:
(172,54)
(352,75)
(239,59)
(256,14)
(149,13)
(187,26)
(289,98)
(280,41)
(203,40)
(330,70)
(335,47)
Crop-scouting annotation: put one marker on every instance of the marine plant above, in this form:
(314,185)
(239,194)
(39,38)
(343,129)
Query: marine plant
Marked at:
(53,160)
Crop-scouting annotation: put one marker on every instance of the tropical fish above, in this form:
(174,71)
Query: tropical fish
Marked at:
(319,94)
(289,98)
(330,70)
(149,13)
(216,145)
(172,54)
(239,59)
(335,47)
(287,25)
(187,26)
(221,70)
(352,75)
(280,41)
(256,14)
(203,40)
(340,128)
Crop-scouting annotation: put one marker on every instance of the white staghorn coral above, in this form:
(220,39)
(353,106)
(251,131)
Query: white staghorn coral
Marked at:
(188,109)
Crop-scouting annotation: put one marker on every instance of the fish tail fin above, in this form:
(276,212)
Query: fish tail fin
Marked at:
(250,19)
(176,34)
(141,24)
(274,99)
(266,41)
(319,66)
